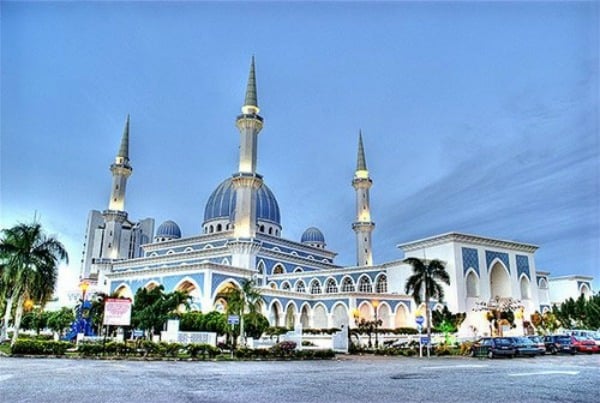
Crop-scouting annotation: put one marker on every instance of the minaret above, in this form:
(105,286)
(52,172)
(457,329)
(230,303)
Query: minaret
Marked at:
(247,181)
(363,226)
(115,215)
(121,170)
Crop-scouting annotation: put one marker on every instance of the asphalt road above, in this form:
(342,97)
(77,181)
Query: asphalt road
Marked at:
(349,379)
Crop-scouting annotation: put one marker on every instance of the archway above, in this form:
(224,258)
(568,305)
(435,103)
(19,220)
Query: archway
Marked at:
(383,313)
(320,317)
(340,316)
(524,285)
(275,314)
(400,319)
(472,283)
(304,318)
(290,316)
(499,281)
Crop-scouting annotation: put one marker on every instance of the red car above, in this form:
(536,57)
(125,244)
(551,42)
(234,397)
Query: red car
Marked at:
(584,344)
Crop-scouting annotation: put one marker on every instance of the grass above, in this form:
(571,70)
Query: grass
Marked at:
(5,348)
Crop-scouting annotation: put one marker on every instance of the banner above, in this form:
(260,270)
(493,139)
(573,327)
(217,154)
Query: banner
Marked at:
(117,312)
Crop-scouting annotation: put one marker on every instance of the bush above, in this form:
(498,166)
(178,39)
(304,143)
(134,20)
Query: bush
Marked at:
(203,349)
(283,349)
(39,347)
(87,349)
(171,349)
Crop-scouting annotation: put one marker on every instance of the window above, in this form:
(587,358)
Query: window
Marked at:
(331,287)
(381,286)
(347,285)
(278,269)
(315,287)
(300,287)
(285,286)
(364,285)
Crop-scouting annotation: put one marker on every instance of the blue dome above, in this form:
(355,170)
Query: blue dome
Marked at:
(221,203)
(312,235)
(169,229)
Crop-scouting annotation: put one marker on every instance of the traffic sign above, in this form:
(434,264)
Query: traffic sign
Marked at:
(233,319)
(419,319)
(424,340)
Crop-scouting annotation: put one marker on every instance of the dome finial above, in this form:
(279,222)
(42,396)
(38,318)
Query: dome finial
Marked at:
(124,149)
(361,164)
(251,100)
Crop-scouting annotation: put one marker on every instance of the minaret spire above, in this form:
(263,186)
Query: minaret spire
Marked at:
(361,162)
(124,149)
(363,226)
(251,101)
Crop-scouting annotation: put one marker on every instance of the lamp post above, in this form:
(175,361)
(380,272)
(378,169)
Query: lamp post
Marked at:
(83,286)
(375,306)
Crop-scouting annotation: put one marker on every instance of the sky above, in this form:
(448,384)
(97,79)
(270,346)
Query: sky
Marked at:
(477,117)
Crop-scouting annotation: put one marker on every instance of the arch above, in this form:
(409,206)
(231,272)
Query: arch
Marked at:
(298,270)
(153,254)
(320,317)
(543,284)
(290,316)
(286,286)
(294,253)
(499,281)
(278,269)
(315,287)
(275,313)
(310,257)
(225,261)
(339,315)
(384,313)
(401,316)
(364,284)
(151,285)
(211,229)
(261,267)
(584,290)
(190,287)
(331,286)
(365,311)
(124,291)
(524,286)
(300,286)
(304,316)
(381,285)
(273,285)
(472,284)
(220,293)
(207,246)
(219,228)
(348,284)
(261,228)
(188,249)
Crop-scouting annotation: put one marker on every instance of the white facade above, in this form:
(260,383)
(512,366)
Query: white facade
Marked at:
(565,287)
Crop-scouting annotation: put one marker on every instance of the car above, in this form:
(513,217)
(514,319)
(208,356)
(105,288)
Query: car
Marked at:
(525,347)
(493,347)
(538,341)
(587,333)
(560,343)
(584,344)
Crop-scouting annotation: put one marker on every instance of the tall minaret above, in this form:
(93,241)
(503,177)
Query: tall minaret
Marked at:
(363,225)
(115,215)
(247,180)
(121,170)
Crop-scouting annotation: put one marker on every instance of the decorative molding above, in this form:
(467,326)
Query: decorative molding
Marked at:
(468,239)
(490,256)
(470,259)
(523,266)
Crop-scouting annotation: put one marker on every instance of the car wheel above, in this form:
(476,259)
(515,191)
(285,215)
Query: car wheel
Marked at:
(490,354)
(472,353)
(553,351)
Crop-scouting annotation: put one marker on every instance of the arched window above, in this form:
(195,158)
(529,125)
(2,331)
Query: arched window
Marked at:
(472,285)
(347,285)
(211,229)
(364,285)
(300,287)
(331,286)
(219,227)
(381,285)
(315,287)
(298,270)
(278,269)
(285,286)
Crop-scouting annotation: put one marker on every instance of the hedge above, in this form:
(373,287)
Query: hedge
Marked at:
(40,347)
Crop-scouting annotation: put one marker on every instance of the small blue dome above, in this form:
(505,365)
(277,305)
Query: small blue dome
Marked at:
(221,203)
(169,229)
(312,235)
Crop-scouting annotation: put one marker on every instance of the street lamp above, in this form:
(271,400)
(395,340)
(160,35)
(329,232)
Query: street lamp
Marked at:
(83,286)
(375,305)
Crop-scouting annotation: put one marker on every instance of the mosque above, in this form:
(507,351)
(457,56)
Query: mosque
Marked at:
(241,239)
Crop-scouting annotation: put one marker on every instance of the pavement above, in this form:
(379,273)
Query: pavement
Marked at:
(347,379)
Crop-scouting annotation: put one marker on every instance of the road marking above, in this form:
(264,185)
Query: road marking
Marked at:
(546,373)
(5,377)
(458,366)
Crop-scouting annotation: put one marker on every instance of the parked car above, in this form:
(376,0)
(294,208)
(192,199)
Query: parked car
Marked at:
(590,334)
(524,347)
(584,344)
(493,347)
(538,341)
(559,344)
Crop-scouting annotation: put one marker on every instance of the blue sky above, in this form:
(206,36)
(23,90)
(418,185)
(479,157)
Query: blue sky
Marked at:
(477,117)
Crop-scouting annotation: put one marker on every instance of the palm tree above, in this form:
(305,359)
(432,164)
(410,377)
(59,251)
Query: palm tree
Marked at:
(29,264)
(240,300)
(425,280)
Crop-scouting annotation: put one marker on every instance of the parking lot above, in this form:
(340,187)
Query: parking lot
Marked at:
(348,379)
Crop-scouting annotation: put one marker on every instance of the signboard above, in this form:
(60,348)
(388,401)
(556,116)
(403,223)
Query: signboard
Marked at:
(233,319)
(419,319)
(424,340)
(117,312)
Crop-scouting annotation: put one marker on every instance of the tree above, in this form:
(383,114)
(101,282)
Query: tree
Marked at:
(29,263)
(247,298)
(425,280)
(152,308)
(60,320)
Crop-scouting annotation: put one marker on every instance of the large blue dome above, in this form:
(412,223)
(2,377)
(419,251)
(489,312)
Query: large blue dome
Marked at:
(312,235)
(169,229)
(221,203)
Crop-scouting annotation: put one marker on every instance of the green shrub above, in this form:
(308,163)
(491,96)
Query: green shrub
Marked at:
(202,349)
(40,347)
(88,349)
(283,349)
(172,349)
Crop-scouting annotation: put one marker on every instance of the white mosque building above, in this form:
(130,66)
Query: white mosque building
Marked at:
(241,238)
